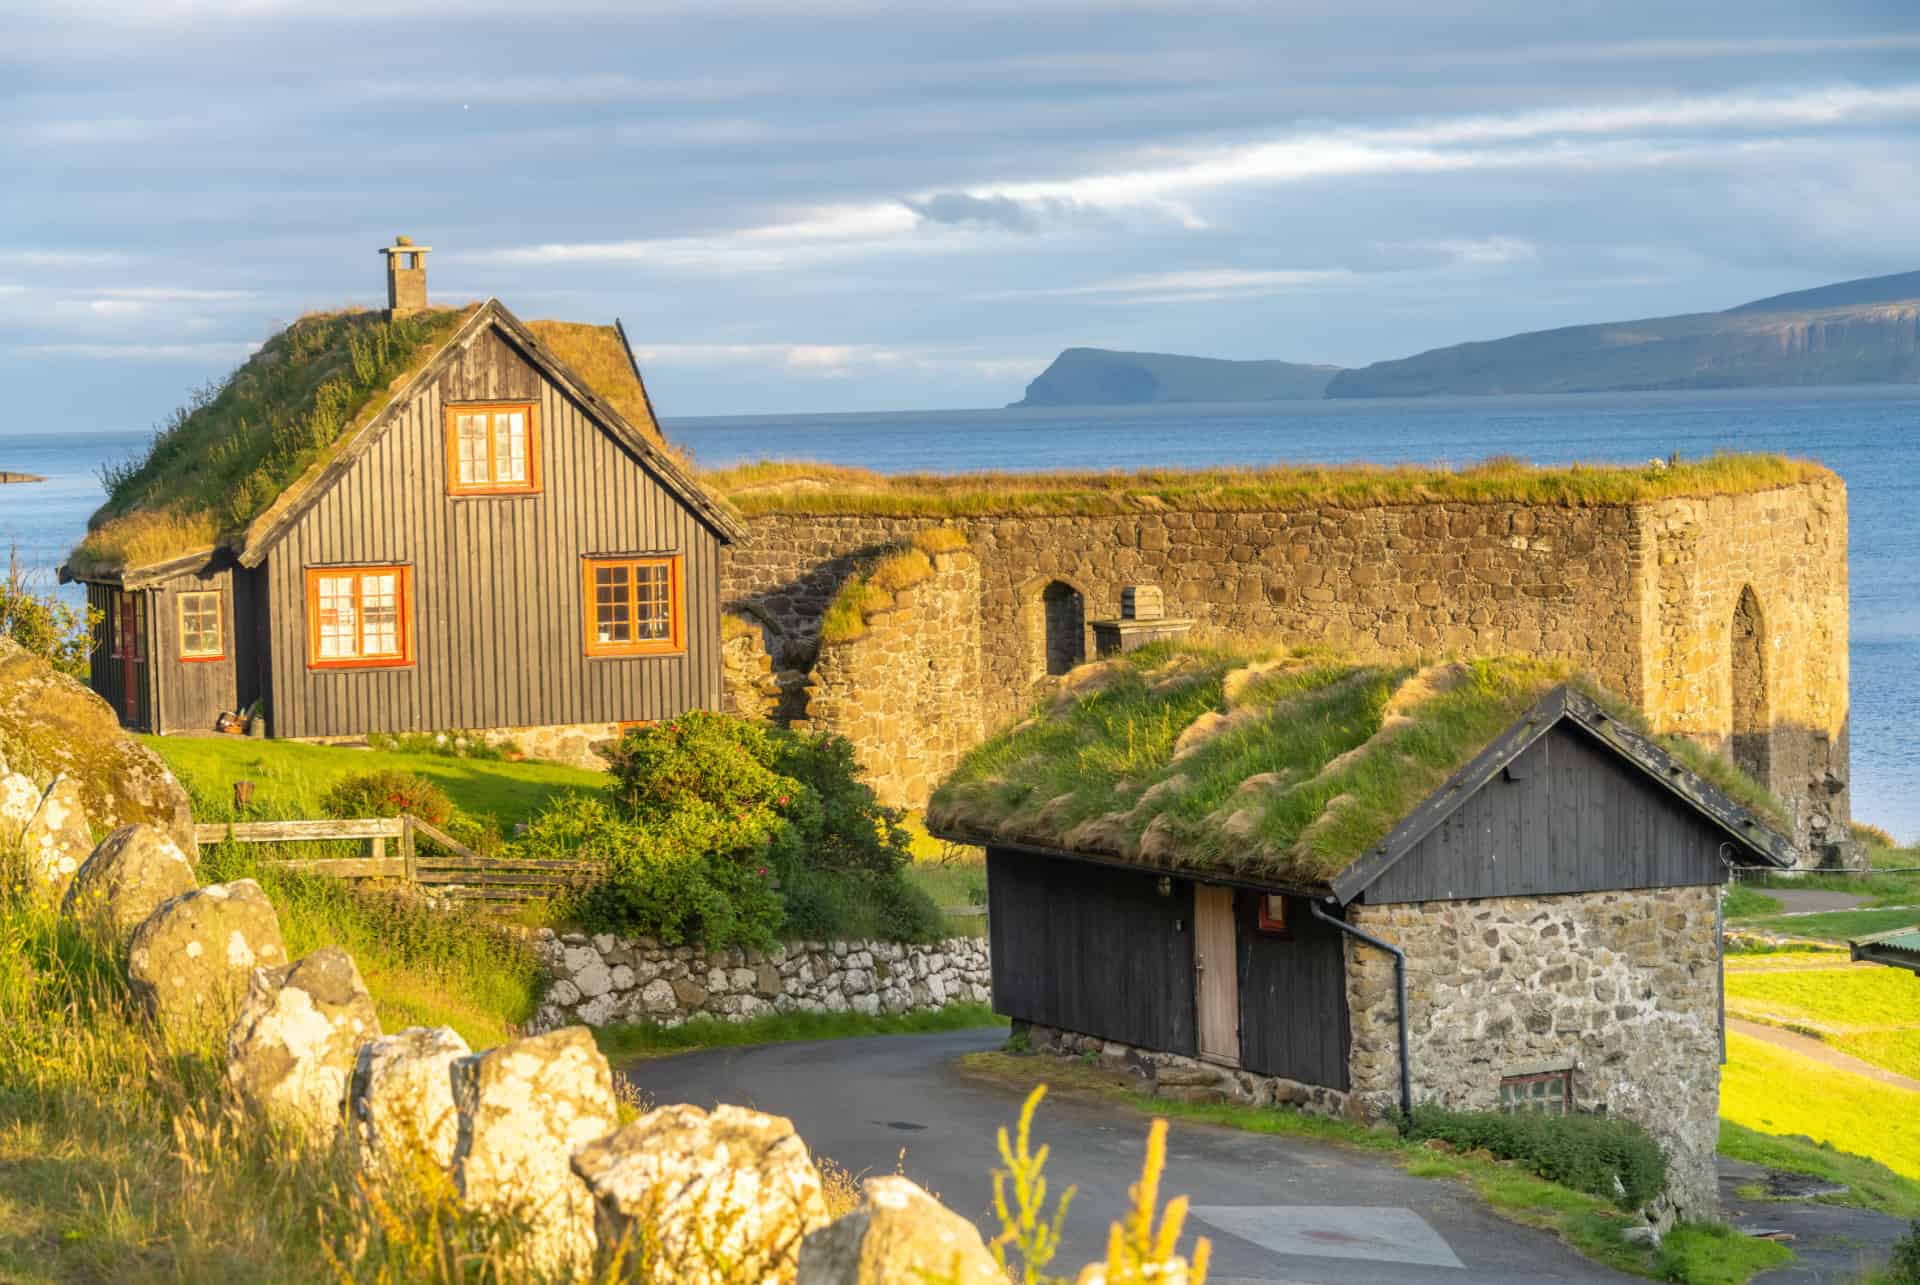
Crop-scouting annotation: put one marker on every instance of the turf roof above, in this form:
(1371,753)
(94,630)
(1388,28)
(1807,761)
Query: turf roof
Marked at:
(1283,765)
(239,448)
(798,486)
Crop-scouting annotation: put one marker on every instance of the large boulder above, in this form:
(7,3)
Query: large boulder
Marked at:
(191,960)
(129,876)
(898,1233)
(714,1198)
(400,1101)
(53,726)
(58,838)
(523,1108)
(292,1048)
(19,801)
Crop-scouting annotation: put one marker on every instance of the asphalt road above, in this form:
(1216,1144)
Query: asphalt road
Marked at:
(1276,1209)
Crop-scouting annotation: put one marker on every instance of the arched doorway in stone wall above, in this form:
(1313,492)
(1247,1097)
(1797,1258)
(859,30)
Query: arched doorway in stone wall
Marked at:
(1751,727)
(1056,627)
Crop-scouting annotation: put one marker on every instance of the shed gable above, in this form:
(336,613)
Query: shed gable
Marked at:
(1567,815)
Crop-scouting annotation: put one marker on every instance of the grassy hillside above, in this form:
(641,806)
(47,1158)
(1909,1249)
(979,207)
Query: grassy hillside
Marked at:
(1853,332)
(1101,377)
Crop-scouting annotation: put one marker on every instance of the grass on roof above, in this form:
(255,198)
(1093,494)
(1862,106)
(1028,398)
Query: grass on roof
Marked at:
(1284,764)
(220,461)
(791,486)
(872,588)
(596,354)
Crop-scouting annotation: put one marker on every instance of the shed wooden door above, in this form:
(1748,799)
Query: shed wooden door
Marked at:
(1216,977)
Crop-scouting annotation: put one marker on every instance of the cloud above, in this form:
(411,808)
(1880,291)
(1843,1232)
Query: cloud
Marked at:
(232,351)
(1189,286)
(833,361)
(958,207)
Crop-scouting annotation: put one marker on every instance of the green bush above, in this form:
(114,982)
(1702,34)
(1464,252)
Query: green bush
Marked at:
(1904,1267)
(726,831)
(1612,1159)
(387,794)
(33,615)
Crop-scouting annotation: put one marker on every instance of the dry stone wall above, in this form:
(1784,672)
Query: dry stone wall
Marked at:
(603,978)
(1622,988)
(907,692)
(1641,595)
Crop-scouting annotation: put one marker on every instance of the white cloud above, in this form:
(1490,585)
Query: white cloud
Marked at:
(144,351)
(808,236)
(832,361)
(1191,285)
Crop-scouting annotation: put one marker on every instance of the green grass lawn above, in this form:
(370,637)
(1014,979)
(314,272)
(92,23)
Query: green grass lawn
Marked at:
(1834,926)
(640,1041)
(1868,1011)
(290,776)
(1771,1090)
(1869,1184)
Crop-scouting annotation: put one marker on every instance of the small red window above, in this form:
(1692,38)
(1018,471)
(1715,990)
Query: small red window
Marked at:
(1273,914)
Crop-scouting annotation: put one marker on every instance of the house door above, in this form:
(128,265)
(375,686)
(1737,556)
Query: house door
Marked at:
(1216,974)
(128,637)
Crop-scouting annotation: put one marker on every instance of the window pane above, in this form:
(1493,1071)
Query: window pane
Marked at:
(510,446)
(651,605)
(339,620)
(200,624)
(612,621)
(380,608)
(470,438)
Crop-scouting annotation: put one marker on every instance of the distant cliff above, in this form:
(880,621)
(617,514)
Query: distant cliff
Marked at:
(1855,332)
(1099,377)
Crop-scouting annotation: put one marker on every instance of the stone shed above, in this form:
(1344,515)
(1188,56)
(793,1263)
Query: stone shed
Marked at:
(1359,887)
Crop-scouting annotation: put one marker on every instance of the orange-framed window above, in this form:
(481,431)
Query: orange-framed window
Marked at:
(633,606)
(491,449)
(202,636)
(359,617)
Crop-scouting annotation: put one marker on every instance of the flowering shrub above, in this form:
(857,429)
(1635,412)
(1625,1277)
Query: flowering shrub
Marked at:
(726,831)
(387,794)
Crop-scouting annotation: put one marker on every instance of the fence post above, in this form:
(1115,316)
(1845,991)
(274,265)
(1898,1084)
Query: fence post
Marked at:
(406,844)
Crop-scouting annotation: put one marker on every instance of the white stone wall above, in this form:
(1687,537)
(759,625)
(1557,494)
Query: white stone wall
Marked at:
(602,978)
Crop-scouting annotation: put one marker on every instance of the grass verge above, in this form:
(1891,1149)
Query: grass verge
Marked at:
(1869,1184)
(1834,925)
(291,777)
(640,1041)
(1697,1254)
(1868,1011)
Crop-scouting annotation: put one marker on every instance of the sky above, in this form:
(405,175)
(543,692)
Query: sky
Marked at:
(904,204)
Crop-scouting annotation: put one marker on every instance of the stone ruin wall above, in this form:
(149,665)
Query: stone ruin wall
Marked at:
(1643,596)
(907,691)
(1622,987)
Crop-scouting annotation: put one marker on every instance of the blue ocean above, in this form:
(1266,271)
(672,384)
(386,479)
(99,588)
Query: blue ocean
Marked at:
(1869,435)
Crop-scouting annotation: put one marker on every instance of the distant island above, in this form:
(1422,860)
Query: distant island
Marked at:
(1854,332)
(1100,377)
(6,477)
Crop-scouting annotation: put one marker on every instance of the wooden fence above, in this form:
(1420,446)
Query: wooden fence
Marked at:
(459,874)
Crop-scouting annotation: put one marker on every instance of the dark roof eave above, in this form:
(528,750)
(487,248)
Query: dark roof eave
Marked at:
(151,573)
(1223,878)
(1565,704)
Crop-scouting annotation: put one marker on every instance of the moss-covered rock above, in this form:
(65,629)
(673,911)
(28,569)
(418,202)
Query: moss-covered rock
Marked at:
(53,726)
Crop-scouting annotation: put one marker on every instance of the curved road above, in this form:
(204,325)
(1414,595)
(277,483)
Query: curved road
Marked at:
(1277,1209)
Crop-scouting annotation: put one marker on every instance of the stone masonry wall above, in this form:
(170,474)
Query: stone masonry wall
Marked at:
(1623,987)
(603,978)
(1642,596)
(907,692)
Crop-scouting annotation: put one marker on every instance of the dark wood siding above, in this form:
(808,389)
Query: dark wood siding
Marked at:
(496,579)
(1567,816)
(1293,996)
(108,671)
(190,694)
(108,674)
(1091,949)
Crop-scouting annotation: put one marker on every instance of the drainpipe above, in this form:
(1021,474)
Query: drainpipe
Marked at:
(1400,984)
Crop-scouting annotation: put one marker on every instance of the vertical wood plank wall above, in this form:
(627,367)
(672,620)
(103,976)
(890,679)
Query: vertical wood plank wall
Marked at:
(497,589)
(1091,949)
(1567,816)
(190,695)
(1293,996)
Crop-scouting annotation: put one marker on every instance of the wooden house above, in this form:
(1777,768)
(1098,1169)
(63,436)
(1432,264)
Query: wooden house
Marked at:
(413,520)
(1359,888)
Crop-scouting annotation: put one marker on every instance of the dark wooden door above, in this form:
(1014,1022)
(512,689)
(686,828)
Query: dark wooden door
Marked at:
(1216,962)
(131,655)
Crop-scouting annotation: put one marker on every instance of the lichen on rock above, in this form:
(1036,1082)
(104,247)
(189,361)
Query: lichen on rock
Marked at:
(190,961)
(400,1100)
(133,872)
(898,1233)
(293,1046)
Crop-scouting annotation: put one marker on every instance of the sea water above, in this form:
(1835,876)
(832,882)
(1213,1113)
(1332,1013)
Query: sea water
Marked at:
(1869,435)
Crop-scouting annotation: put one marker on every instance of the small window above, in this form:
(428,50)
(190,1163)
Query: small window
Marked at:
(633,606)
(359,616)
(1273,915)
(201,637)
(1548,1093)
(490,449)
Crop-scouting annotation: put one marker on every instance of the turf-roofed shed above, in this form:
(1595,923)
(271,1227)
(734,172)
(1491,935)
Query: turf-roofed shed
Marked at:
(411,519)
(1362,885)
